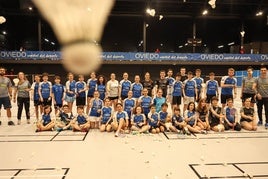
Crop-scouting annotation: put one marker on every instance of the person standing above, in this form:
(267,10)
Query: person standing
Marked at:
(23,97)
(228,87)
(261,89)
(247,84)
(5,94)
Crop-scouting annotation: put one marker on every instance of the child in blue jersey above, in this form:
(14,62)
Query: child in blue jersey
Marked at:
(101,87)
(178,123)
(153,120)
(159,100)
(231,116)
(120,120)
(190,117)
(64,118)
(46,124)
(45,91)
(70,90)
(136,87)
(228,87)
(248,115)
(91,86)
(199,82)
(35,96)
(189,90)
(95,106)
(81,121)
(129,104)
(106,116)
(145,101)
(80,91)
(138,121)
(177,88)
(212,88)
(58,94)
(165,118)
(124,87)
(202,115)
(170,81)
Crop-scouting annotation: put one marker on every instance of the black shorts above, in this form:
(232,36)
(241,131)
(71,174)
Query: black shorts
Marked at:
(225,97)
(57,106)
(80,101)
(113,98)
(176,100)
(209,97)
(46,102)
(245,120)
(5,101)
(248,95)
(123,97)
(37,102)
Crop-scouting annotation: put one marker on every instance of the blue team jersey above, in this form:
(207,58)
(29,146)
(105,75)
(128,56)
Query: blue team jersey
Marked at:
(138,118)
(176,119)
(189,87)
(136,89)
(229,81)
(125,87)
(155,117)
(101,88)
(146,101)
(230,114)
(35,91)
(58,91)
(170,81)
(46,119)
(45,89)
(120,115)
(81,119)
(91,83)
(71,87)
(158,102)
(188,115)
(177,88)
(80,85)
(199,82)
(129,105)
(95,106)
(163,116)
(106,114)
(212,86)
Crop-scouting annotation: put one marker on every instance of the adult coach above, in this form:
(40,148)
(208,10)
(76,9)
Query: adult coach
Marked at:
(5,94)
(228,87)
(261,89)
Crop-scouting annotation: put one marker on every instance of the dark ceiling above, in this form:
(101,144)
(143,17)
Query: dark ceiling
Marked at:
(124,30)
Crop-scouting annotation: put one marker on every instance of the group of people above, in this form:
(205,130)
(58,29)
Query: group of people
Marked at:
(139,106)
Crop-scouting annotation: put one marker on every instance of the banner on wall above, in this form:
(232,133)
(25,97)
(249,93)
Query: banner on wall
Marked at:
(131,56)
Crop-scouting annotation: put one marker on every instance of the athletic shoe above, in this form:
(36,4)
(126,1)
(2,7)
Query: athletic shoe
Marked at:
(19,122)
(11,123)
(28,121)
(204,132)
(116,134)
(260,123)
(135,132)
(37,130)
(266,125)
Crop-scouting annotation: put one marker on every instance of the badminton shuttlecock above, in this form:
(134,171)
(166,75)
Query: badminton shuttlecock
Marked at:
(151,12)
(212,3)
(78,26)
(2,19)
(16,81)
(161,17)
(242,33)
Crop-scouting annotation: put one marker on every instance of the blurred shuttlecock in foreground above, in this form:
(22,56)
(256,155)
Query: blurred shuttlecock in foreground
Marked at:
(2,19)
(212,3)
(78,25)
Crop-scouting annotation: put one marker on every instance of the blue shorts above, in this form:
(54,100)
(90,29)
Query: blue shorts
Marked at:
(69,99)
(5,101)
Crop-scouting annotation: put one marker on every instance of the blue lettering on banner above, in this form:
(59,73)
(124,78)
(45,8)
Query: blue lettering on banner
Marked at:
(129,56)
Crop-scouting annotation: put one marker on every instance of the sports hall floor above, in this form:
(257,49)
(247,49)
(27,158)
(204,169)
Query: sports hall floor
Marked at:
(95,155)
